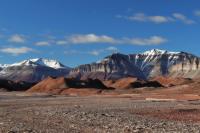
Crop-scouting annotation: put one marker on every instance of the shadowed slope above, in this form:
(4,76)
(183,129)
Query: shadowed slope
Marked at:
(7,85)
(61,85)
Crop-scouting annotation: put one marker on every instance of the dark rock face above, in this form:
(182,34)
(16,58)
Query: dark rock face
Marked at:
(58,85)
(140,84)
(143,66)
(89,83)
(8,85)
(33,70)
(112,67)
(31,73)
(163,63)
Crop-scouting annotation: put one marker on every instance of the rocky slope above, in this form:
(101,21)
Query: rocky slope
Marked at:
(145,65)
(2,66)
(33,70)
(112,67)
(149,64)
(132,83)
(63,85)
(162,63)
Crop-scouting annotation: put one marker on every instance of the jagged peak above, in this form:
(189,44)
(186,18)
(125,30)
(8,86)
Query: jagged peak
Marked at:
(4,65)
(40,61)
(158,52)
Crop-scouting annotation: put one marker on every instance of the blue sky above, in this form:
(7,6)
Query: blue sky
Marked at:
(82,31)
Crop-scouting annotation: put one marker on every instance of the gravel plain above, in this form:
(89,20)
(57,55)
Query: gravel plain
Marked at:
(20,113)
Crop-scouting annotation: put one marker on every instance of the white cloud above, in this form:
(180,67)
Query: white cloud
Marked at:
(197,13)
(1,35)
(111,48)
(138,17)
(72,52)
(183,18)
(158,19)
(16,51)
(95,52)
(90,38)
(61,42)
(154,40)
(119,16)
(105,50)
(144,18)
(17,38)
(42,43)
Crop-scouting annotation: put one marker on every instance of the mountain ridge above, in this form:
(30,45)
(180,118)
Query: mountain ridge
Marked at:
(33,70)
(148,64)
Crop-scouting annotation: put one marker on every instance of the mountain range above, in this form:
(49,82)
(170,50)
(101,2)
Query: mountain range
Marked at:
(145,65)
(33,70)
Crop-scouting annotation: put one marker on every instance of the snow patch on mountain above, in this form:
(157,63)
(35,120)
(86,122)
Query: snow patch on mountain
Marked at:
(42,62)
(158,52)
(3,65)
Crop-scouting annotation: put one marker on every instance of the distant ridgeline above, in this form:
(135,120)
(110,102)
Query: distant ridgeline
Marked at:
(145,65)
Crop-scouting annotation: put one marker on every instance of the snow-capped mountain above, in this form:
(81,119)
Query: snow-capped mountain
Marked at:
(42,62)
(143,65)
(161,62)
(33,70)
(2,66)
(112,67)
(158,52)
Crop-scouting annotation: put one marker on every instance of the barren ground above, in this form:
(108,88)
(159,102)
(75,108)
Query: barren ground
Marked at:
(20,113)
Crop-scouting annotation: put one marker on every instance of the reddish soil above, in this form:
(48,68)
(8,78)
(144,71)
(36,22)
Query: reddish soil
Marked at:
(169,81)
(123,83)
(182,89)
(69,86)
(175,114)
(81,92)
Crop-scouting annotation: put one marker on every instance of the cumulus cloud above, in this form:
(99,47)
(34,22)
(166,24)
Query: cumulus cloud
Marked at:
(17,38)
(90,38)
(158,19)
(154,40)
(42,43)
(183,18)
(69,52)
(197,13)
(94,52)
(1,35)
(111,48)
(105,50)
(61,42)
(144,18)
(16,51)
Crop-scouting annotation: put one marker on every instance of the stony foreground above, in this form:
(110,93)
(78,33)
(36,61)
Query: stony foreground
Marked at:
(59,114)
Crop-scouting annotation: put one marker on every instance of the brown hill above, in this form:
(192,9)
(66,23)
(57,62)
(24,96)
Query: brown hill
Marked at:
(170,81)
(131,83)
(68,85)
(122,83)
